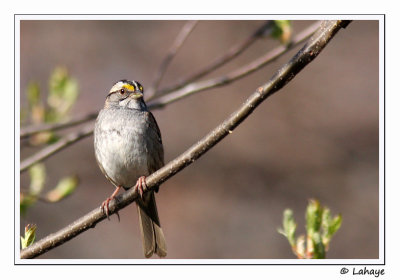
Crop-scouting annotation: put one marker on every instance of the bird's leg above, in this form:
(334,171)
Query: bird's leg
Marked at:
(104,205)
(140,185)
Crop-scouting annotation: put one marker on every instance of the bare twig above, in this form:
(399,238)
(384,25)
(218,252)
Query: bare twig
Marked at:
(211,83)
(56,147)
(30,130)
(186,30)
(195,88)
(218,62)
(310,50)
(235,75)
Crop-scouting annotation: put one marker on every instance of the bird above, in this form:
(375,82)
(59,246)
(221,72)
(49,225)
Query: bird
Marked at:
(128,148)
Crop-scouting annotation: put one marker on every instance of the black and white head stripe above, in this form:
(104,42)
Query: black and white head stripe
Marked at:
(128,85)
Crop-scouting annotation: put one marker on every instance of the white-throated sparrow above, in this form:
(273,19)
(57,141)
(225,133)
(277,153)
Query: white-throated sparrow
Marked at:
(128,147)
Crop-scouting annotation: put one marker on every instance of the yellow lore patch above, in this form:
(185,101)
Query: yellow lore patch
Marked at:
(129,87)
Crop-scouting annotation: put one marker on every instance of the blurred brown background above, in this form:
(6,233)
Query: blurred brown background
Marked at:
(316,138)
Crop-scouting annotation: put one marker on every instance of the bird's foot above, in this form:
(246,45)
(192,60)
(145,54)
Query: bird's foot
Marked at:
(105,205)
(141,185)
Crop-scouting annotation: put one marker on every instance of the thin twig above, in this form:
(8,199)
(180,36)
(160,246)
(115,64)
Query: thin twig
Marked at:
(56,147)
(218,62)
(30,130)
(234,75)
(233,52)
(215,82)
(185,31)
(310,51)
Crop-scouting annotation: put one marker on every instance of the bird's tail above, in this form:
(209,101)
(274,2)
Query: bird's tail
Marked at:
(150,229)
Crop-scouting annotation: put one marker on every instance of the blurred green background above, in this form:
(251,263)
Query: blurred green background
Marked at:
(316,138)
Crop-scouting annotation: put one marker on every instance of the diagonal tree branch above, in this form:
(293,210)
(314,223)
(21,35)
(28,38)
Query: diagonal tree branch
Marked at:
(179,40)
(218,62)
(310,51)
(204,85)
(233,52)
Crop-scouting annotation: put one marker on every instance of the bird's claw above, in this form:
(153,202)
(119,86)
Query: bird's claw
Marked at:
(104,206)
(141,185)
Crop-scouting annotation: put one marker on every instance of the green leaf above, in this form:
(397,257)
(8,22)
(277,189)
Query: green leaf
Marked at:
(35,106)
(289,227)
(58,79)
(335,224)
(64,188)
(326,218)
(282,30)
(329,226)
(320,227)
(63,92)
(29,237)
(313,217)
(37,175)
(25,202)
(319,248)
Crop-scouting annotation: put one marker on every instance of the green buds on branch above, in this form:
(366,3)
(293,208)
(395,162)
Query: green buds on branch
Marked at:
(320,227)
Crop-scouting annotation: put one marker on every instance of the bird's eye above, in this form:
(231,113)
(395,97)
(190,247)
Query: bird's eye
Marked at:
(122,91)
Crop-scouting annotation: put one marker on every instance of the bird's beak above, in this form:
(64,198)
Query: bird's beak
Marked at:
(136,95)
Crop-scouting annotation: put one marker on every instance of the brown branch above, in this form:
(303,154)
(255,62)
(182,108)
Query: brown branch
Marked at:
(56,147)
(30,130)
(193,88)
(310,50)
(234,75)
(219,61)
(186,30)
(212,83)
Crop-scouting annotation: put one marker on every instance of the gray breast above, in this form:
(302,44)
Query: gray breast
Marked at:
(120,145)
